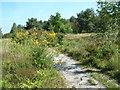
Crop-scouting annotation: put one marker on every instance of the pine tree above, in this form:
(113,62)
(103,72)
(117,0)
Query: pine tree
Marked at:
(14,28)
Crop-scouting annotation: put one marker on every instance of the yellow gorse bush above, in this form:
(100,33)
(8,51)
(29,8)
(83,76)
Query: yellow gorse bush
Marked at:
(52,34)
(21,36)
(46,38)
(49,38)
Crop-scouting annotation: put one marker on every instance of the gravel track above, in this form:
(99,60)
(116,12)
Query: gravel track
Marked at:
(72,73)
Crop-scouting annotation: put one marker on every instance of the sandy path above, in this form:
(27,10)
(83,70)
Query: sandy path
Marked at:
(72,73)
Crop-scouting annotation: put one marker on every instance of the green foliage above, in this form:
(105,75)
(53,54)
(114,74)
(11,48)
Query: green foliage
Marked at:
(91,81)
(42,80)
(74,24)
(7,35)
(109,8)
(73,48)
(14,28)
(108,15)
(31,23)
(109,55)
(106,81)
(85,20)
(34,23)
(15,57)
(58,24)
(19,26)
(1,34)
(60,37)
(27,65)
(97,51)
(40,59)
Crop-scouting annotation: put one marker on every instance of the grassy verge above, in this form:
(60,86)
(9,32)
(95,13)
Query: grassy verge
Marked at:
(28,66)
(104,80)
(92,82)
(101,77)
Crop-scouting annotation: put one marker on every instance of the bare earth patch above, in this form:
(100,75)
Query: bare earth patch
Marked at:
(79,35)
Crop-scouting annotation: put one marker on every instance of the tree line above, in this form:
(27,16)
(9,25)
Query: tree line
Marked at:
(106,18)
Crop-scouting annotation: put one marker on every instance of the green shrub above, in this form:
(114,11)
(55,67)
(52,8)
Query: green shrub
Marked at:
(43,80)
(21,63)
(99,51)
(40,58)
(7,35)
(60,37)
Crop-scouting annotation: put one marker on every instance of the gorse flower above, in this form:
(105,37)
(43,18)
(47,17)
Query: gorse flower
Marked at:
(45,41)
(36,42)
(26,32)
(52,34)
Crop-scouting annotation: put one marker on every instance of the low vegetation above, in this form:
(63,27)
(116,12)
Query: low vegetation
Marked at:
(106,81)
(94,51)
(26,64)
(92,82)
